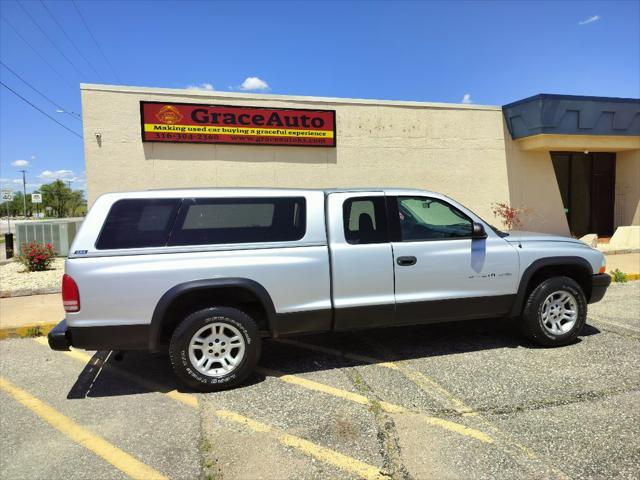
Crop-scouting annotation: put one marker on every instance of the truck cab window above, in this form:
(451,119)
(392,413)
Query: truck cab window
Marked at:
(365,220)
(423,218)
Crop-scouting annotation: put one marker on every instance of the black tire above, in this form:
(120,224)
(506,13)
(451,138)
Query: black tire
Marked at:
(179,348)
(532,323)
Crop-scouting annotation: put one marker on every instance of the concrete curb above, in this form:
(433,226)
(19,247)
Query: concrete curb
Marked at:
(26,331)
(23,292)
(619,252)
(630,277)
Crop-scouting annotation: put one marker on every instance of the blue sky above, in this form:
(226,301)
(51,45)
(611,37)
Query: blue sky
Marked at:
(481,52)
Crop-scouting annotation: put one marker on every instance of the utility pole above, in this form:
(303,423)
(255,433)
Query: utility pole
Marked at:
(69,184)
(24,192)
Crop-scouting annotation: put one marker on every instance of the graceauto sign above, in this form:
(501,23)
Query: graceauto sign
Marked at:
(193,123)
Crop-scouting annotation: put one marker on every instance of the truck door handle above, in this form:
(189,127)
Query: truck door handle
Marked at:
(406,261)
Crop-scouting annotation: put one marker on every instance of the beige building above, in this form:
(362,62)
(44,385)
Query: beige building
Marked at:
(572,162)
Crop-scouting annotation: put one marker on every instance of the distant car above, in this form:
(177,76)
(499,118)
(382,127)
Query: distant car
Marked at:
(207,273)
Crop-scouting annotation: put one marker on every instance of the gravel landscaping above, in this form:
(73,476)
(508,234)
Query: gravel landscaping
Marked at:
(16,281)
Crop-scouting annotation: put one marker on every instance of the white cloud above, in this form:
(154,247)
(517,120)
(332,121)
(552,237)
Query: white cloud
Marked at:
(202,86)
(58,175)
(466,98)
(254,83)
(20,163)
(589,20)
(15,184)
(32,157)
(11,181)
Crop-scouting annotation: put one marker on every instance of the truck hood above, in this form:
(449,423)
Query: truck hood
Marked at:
(525,237)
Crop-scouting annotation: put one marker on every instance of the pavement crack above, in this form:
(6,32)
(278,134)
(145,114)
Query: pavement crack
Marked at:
(387,433)
(619,330)
(581,397)
(209,467)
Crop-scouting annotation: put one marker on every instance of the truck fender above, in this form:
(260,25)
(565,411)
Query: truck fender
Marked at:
(173,293)
(536,266)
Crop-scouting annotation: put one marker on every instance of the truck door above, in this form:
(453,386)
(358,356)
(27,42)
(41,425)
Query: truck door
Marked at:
(361,260)
(441,273)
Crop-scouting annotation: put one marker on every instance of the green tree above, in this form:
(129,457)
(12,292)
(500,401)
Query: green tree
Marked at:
(3,208)
(16,206)
(77,204)
(56,195)
(62,200)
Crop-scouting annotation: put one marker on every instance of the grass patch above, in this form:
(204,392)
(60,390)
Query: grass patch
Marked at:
(375,407)
(33,332)
(205,446)
(619,276)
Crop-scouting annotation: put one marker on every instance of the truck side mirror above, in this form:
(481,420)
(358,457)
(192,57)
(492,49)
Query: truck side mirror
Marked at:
(478,231)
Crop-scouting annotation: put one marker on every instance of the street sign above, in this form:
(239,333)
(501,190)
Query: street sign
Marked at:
(36,198)
(7,195)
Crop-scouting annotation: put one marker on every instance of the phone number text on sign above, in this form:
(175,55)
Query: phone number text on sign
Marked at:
(194,123)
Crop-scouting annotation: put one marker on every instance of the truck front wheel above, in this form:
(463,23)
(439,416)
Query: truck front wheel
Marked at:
(555,312)
(215,348)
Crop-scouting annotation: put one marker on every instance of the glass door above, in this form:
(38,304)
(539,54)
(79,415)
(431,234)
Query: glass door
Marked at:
(587,187)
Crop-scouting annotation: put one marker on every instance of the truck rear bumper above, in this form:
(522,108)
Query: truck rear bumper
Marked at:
(117,337)
(58,337)
(599,285)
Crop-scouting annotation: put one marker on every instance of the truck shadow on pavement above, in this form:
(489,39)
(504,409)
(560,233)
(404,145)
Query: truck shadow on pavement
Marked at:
(141,372)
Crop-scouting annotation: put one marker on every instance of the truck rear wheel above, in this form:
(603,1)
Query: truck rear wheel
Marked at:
(215,348)
(555,312)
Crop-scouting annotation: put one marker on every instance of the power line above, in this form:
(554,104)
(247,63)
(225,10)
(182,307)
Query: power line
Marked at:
(41,111)
(71,114)
(38,53)
(71,41)
(95,41)
(82,74)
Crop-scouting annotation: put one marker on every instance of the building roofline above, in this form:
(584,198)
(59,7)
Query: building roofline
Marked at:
(573,115)
(216,94)
(556,96)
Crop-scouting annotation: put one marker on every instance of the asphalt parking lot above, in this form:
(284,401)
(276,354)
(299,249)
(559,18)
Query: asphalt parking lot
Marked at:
(464,400)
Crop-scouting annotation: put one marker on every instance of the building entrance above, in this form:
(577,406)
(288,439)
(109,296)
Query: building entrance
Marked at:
(587,186)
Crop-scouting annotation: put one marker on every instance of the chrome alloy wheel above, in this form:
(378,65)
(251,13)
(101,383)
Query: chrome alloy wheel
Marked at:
(559,312)
(216,349)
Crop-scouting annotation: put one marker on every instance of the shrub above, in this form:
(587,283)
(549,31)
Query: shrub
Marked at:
(619,276)
(509,216)
(33,332)
(36,256)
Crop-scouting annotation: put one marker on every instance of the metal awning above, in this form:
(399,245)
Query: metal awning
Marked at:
(547,114)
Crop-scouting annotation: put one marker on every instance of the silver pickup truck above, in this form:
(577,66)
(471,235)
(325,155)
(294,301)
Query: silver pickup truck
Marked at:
(206,273)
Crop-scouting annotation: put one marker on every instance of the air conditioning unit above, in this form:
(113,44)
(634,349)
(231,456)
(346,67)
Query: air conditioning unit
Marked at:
(60,233)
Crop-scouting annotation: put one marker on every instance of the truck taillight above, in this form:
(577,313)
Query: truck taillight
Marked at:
(70,294)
